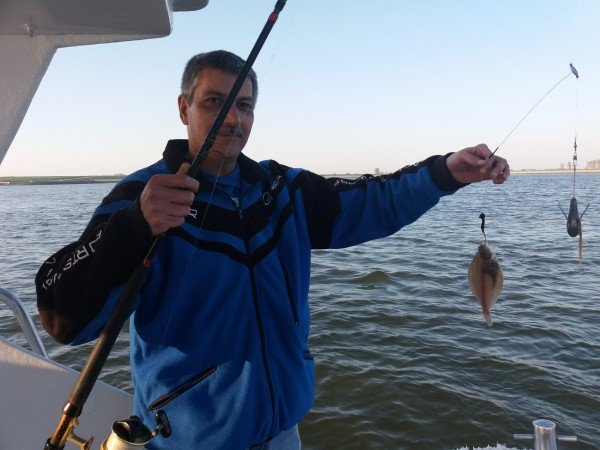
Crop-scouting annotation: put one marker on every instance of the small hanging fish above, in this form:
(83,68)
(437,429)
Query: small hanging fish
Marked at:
(485,276)
(573,218)
(574,223)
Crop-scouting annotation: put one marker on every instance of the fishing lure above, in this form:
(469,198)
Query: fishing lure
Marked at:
(574,218)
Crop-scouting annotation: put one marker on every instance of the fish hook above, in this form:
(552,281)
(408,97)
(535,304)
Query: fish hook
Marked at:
(482,217)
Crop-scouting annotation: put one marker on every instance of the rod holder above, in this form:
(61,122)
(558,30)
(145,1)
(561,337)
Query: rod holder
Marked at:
(544,435)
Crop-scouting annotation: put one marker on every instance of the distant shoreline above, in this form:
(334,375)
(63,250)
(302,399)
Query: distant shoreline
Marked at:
(551,171)
(49,180)
(513,172)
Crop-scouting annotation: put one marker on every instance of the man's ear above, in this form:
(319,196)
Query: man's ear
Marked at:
(183,109)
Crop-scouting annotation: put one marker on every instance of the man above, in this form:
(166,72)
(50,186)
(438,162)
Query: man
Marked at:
(219,333)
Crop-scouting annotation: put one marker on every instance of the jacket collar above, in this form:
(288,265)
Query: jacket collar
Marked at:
(176,153)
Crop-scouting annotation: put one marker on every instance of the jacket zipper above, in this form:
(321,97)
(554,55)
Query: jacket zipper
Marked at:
(288,286)
(261,332)
(164,400)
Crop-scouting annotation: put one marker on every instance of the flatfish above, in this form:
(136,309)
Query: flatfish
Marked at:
(485,279)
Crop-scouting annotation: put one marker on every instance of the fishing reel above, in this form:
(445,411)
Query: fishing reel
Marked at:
(126,434)
(131,434)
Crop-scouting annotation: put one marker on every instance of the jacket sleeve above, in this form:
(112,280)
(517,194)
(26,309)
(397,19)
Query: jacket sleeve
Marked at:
(345,212)
(73,284)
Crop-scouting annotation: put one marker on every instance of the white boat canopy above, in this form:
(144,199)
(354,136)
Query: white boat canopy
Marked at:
(32,30)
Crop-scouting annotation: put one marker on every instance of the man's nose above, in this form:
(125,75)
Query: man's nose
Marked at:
(234,116)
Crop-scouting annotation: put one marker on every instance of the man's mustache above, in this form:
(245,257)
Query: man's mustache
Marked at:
(231,131)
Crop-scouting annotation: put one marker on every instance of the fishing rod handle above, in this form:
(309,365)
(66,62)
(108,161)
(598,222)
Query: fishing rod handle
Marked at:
(90,372)
(107,338)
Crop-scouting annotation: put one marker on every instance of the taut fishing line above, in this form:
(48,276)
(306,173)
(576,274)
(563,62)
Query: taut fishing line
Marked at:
(572,71)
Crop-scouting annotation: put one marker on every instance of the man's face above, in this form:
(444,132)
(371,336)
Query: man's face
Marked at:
(212,87)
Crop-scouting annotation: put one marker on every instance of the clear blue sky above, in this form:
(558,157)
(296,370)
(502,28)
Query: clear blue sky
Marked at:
(345,86)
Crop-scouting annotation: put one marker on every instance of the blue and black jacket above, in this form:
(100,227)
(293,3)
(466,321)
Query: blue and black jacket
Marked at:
(219,335)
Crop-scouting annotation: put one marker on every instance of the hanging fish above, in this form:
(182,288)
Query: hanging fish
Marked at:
(485,276)
(573,218)
(574,223)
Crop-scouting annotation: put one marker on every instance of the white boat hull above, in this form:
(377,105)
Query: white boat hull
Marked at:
(33,392)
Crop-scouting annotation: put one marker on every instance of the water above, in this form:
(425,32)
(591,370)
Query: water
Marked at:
(404,359)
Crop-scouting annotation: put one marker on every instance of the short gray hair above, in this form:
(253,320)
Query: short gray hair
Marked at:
(217,59)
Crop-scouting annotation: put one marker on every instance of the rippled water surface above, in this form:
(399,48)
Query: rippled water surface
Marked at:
(404,358)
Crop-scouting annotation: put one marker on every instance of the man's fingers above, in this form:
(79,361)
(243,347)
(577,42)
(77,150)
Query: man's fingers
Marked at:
(182,197)
(498,170)
(166,199)
(494,165)
(483,150)
(476,156)
(188,182)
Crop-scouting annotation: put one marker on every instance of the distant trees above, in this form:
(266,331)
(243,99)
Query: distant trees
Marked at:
(594,164)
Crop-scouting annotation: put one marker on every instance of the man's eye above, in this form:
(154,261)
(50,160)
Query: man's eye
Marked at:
(246,106)
(214,100)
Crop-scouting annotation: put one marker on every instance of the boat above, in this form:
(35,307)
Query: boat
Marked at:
(36,388)
(34,385)
(31,383)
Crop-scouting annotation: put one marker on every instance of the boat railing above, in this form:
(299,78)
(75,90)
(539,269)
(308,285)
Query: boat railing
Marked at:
(24,320)
(544,435)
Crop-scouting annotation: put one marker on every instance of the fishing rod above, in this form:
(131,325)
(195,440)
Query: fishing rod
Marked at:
(573,71)
(90,372)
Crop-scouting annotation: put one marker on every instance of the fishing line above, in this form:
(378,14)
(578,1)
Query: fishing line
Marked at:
(576,106)
(574,163)
(575,40)
(575,143)
(283,34)
(575,139)
(573,71)
(196,239)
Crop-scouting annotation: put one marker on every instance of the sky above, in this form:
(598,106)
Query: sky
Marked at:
(345,86)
